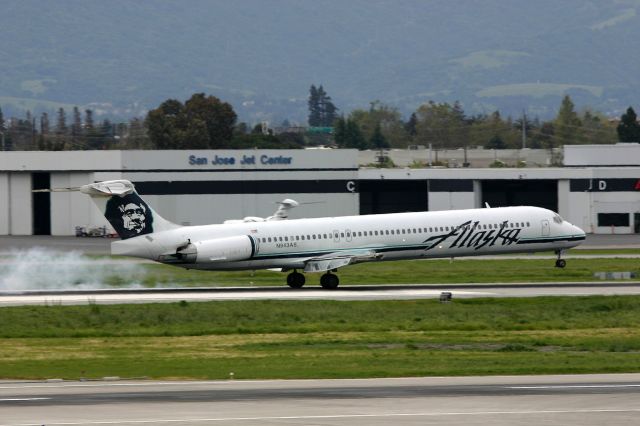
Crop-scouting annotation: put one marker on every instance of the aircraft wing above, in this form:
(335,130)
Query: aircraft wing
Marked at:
(337,260)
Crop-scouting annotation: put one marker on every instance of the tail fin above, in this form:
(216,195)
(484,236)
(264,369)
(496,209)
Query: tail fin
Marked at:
(129,215)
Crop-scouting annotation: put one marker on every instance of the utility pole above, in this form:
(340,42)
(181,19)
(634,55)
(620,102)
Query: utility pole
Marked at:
(524,130)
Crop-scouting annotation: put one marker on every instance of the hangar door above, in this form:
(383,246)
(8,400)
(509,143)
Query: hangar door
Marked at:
(525,192)
(393,196)
(41,204)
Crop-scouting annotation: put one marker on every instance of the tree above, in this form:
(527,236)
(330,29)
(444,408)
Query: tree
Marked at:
(322,111)
(355,138)
(163,123)
(315,115)
(596,128)
(547,135)
(60,141)
(567,124)
(442,125)
(387,119)
(496,142)
(76,129)
(347,134)
(411,125)
(137,135)
(628,129)
(202,122)
(61,122)
(4,138)
(218,118)
(88,119)
(378,140)
(483,129)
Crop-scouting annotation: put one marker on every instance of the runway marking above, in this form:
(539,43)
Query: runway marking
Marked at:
(333,416)
(574,386)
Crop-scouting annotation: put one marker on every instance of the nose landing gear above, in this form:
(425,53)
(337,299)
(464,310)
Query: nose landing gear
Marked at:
(560,263)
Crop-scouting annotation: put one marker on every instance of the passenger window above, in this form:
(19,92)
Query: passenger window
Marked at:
(269,239)
(392,232)
(286,238)
(376,232)
(314,236)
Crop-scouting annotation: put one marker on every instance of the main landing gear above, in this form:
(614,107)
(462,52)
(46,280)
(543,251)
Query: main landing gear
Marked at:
(295,279)
(560,263)
(328,281)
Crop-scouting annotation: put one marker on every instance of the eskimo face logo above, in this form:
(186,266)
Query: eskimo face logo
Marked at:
(129,216)
(133,217)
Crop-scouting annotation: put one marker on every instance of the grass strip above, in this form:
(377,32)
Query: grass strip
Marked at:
(322,339)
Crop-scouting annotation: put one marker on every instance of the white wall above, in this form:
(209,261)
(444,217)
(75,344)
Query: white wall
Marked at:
(71,209)
(21,200)
(4,203)
(580,212)
(451,200)
(207,209)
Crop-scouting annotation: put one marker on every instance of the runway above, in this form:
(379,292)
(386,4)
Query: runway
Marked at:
(508,400)
(372,292)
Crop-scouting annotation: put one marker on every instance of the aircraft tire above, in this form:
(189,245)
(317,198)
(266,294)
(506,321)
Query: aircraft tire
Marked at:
(329,281)
(295,280)
(561,263)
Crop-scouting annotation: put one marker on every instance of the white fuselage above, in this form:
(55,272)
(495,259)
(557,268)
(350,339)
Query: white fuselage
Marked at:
(289,244)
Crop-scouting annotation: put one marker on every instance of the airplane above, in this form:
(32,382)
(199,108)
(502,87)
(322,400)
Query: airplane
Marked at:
(282,213)
(325,244)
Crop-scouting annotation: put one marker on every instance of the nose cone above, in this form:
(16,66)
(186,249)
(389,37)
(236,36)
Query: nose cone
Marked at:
(576,233)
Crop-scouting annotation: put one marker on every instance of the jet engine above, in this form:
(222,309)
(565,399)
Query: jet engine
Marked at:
(226,249)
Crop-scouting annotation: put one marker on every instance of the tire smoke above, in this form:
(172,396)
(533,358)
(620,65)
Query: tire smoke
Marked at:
(45,269)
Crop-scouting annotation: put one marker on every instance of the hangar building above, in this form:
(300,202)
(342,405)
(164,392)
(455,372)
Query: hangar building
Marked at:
(194,187)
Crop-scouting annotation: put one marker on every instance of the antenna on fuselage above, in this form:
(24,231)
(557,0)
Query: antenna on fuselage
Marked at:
(486,205)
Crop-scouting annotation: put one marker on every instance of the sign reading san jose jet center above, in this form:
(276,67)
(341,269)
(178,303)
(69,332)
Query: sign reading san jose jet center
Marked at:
(275,159)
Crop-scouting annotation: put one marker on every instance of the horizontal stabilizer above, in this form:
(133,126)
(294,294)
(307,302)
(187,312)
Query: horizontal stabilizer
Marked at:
(71,189)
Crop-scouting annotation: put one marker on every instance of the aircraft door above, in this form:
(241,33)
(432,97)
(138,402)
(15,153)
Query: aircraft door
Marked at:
(545,228)
(256,242)
(348,235)
(336,236)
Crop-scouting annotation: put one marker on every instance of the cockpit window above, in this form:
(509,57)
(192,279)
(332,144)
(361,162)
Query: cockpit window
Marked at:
(557,218)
